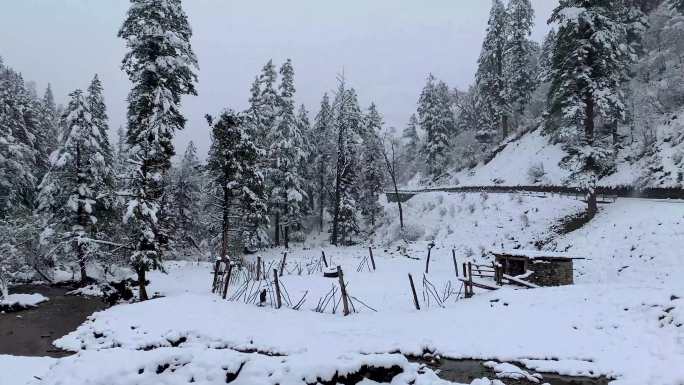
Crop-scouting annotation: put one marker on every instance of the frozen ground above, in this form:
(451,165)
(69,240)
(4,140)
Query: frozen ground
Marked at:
(625,323)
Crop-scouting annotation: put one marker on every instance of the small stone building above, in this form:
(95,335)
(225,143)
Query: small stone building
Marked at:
(541,268)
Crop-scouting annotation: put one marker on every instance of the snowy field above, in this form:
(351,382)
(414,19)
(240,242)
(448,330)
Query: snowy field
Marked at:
(620,322)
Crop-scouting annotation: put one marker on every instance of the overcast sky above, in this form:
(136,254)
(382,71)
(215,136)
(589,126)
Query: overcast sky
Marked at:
(386,47)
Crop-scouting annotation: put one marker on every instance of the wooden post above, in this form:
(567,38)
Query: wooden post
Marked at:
(370,251)
(258,269)
(279,302)
(282,265)
(470,280)
(427,262)
(343,291)
(216,274)
(227,280)
(325,262)
(413,290)
(453,256)
(465,270)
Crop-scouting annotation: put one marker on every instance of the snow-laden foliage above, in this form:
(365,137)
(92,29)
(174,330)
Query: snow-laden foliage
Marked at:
(437,121)
(373,172)
(160,63)
(77,190)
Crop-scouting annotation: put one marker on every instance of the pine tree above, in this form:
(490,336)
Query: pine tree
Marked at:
(373,176)
(306,167)
(77,186)
(436,119)
(347,125)
(323,143)
(546,57)
(677,5)
(233,162)
(98,110)
(590,61)
(160,63)
(490,80)
(287,152)
(49,127)
(266,103)
(519,75)
(18,150)
(186,200)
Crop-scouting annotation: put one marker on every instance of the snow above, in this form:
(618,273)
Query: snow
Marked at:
(21,370)
(23,300)
(620,323)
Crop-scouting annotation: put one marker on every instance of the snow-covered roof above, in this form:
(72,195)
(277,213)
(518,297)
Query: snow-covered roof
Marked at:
(532,254)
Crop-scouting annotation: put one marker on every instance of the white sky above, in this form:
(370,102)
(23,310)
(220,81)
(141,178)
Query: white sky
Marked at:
(386,47)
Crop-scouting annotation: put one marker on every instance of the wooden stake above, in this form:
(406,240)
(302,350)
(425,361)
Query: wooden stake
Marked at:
(470,280)
(227,280)
(325,262)
(282,265)
(258,269)
(279,301)
(415,296)
(453,256)
(216,273)
(427,262)
(370,251)
(343,291)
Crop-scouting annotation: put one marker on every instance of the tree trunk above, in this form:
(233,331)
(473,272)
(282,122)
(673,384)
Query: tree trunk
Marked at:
(338,187)
(592,206)
(287,236)
(277,229)
(504,126)
(81,219)
(141,284)
(321,196)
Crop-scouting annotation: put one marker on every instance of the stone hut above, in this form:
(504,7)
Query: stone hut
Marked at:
(542,268)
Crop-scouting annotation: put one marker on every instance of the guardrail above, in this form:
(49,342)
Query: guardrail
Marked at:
(605,193)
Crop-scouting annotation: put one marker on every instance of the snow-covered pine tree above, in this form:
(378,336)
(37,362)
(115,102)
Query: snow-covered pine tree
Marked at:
(186,200)
(490,81)
(546,57)
(266,105)
(233,162)
(519,74)
(17,145)
(590,61)
(161,64)
(373,164)
(49,127)
(408,162)
(287,152)
(322,141)
(306,167)
(76,186)
(677,5)
(437,121)
(98,111)
(347,125)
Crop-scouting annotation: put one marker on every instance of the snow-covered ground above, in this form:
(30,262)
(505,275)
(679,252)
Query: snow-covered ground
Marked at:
(22,300)
(621,322)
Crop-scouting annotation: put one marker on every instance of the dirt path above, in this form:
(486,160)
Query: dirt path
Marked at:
(31,332)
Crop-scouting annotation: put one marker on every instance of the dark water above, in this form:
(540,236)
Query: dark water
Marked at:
(31,332)
(465,371)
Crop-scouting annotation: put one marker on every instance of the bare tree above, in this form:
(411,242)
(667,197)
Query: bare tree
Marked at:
(391,163)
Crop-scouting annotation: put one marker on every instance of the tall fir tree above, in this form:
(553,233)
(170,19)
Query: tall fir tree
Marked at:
(323,143)
(518,51)
(186,200)
(436,120)
(347,125)
(74,191)
(590,61)
(372,162)
(546,57)
(98,111)
(287,152)
(306,166)
(490,81)
(233,163)
(408,148)
(160,63)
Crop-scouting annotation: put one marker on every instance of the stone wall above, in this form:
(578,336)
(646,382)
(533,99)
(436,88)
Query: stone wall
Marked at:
(551,272)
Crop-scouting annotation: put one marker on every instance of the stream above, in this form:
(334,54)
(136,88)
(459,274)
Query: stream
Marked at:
(31,332)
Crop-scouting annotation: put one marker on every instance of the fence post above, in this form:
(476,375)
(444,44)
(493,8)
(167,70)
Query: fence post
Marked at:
(227,280)
(427,262)
(258,269)
(279,302)
(413,290)
(453,256)
(282,265)
(343,290)
(470,280)
(325,262)
(370,251)
(216,272)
